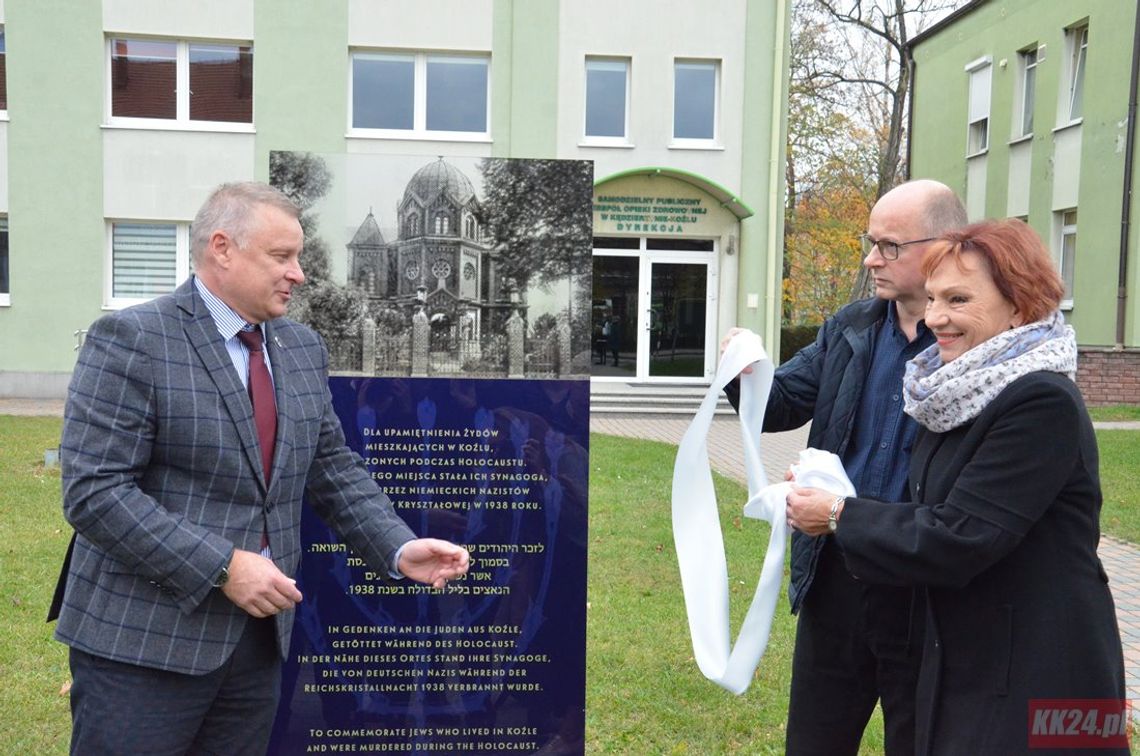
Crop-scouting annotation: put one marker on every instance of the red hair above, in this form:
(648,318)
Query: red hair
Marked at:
(1018,262)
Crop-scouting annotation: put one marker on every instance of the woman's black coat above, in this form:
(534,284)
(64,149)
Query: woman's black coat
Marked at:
(1003,530)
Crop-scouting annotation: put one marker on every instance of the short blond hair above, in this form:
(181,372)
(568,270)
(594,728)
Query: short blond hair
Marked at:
(230,207)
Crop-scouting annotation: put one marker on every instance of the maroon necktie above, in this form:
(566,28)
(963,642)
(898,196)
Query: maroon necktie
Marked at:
(261,394)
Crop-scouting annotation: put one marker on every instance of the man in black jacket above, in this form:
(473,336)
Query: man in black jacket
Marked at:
(857,644)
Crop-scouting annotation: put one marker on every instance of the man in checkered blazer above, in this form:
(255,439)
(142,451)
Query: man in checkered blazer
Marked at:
(178,604)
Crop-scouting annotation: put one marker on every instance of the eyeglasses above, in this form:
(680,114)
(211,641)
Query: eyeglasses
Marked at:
(888,249)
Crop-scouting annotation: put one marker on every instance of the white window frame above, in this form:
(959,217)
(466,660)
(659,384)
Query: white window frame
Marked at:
(181,120)
(1076,61)
(606,141)
(978,92)
(689,142)
(181,259)
(6,296)
(1026,97)
(1066,231)
(419,128)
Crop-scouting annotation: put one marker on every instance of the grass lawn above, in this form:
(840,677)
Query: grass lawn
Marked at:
(1116,412)
(644,691)
(1120,483)
(34,537)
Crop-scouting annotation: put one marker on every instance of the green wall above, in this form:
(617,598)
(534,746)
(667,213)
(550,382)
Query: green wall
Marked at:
(55,169)
(525,69)
(938,146)
(301,49)
(762,183)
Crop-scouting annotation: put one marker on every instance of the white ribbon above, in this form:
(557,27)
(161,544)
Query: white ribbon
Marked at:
(816,469)
(696,522)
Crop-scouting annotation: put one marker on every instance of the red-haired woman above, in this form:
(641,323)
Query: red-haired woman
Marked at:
(1003,525)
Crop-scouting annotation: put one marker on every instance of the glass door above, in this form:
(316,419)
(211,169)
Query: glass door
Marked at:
(653,315)
(676,322)
(615,311)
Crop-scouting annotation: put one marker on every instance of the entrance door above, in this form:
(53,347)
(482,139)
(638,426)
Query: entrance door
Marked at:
(651,310)
(617,292)
(676,322)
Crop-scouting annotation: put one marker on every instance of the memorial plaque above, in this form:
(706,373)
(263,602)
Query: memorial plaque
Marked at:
(459,345)
(494,662)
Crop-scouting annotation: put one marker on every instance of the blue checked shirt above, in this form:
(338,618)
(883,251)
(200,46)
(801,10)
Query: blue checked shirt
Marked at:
(878,456)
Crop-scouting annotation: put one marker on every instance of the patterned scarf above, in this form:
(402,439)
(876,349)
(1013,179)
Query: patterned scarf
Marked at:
(942,396)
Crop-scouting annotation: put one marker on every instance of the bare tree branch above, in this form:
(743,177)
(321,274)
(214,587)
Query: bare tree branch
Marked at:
(849,84)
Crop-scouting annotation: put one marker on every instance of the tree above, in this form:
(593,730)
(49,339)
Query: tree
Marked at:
(831,174)
(875,35)
(305,178)
(849,84)
(331,309)
(822,121)
(822,252)
(540,214)
(543,325)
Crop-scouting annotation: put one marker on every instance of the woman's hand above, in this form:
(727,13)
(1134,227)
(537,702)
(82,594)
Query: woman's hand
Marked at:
(809,508)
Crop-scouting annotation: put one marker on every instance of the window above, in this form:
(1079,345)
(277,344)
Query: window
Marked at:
(221,83)
(181,81)
(420,93)
(4,292)
(607,99)
(1068,249)
(695,99)
(456,94)
(1076,43)
(3,71)
(383,92)
(978,138)
(1023,120)
(147,259)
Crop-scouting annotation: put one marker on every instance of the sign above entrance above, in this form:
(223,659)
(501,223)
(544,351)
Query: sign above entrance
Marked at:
(658,205)
(649,215)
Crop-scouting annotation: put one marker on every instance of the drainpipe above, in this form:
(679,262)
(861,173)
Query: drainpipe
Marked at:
(777,148)
(910,111)
(1126,197)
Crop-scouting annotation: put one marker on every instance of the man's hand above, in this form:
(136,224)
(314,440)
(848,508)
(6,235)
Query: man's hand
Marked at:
(432,561)
(257,586)
(724,345)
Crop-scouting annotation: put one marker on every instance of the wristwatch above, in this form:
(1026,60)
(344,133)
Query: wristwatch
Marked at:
(833,515)
(223,576)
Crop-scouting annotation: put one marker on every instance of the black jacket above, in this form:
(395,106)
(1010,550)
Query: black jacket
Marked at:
(823,383)
(1003,531)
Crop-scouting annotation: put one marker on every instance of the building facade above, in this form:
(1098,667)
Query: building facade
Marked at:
(108,149)
(1027,107)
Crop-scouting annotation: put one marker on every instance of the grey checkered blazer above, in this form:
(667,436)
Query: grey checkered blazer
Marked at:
(162,480)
